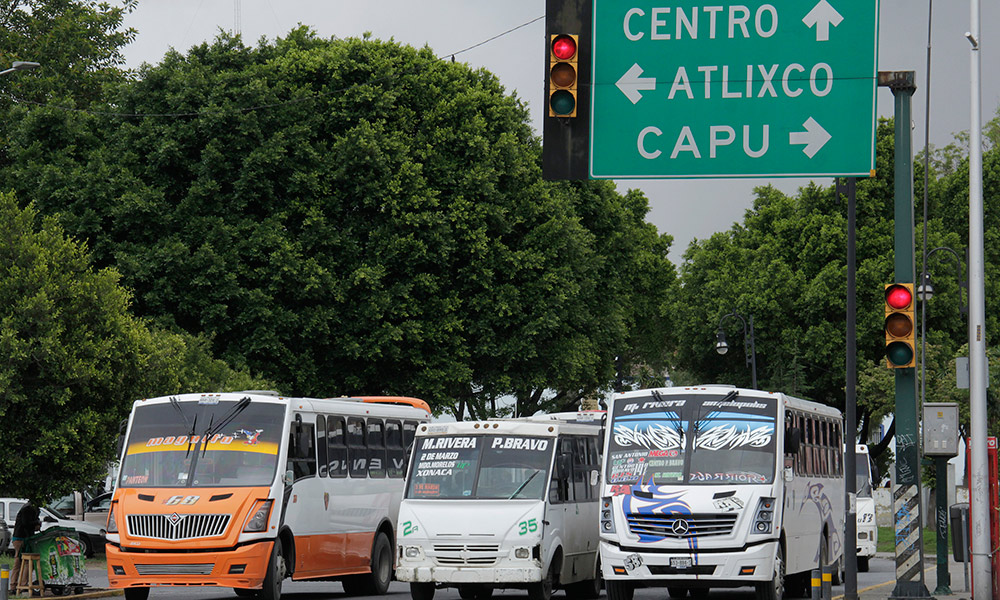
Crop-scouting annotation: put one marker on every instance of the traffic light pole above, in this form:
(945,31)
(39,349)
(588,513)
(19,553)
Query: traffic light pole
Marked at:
(906,492)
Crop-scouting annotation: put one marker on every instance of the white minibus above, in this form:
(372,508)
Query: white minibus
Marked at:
(867,527)
(504,503)
(715,486)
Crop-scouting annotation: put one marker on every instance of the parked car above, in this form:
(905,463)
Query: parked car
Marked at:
(5,535)
(83,506)
(92,537)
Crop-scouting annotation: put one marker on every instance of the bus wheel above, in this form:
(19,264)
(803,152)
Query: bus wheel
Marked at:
(863,564)
(136,593)
(774,589)
(543,589)
(619,590)
(422,591)
(700,592)
(588,589)
(377,583)
(275,573)
(677,592)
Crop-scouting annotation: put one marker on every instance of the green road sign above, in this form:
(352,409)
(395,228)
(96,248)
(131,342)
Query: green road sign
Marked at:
(749,89)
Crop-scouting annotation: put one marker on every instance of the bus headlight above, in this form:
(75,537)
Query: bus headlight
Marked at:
(764,516)
(522,553)
(412,552)
(258,517)
(607,516)
(112,524)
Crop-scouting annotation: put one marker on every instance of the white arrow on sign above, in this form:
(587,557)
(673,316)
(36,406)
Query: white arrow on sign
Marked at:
(814,137)
(631,82)
(822,16)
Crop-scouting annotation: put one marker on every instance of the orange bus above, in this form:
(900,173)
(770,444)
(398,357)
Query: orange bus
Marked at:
(244,489)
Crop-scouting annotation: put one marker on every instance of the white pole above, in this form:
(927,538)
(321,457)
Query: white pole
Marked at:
(979,495)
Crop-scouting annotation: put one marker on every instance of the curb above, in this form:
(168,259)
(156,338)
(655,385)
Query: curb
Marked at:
(96,593)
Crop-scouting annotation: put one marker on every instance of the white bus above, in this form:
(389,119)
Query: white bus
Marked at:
(717,486)
(505,503)
(867,527)
(244,489)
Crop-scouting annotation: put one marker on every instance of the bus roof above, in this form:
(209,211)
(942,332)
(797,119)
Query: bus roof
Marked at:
(722,389)
(394,406)
(540,425)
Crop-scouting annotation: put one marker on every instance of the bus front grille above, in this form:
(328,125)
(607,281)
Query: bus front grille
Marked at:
(681,526)
(186,569)
(475,555)
(176,526)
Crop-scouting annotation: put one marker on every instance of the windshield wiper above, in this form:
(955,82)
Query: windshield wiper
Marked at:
(226,420)
(522,486)
(194,425)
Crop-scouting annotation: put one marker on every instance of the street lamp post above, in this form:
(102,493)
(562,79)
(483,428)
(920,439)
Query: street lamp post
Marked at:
(748,344)
(20,65)
(925,290)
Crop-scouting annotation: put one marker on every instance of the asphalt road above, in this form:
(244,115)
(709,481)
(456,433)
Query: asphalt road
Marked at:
(876,583)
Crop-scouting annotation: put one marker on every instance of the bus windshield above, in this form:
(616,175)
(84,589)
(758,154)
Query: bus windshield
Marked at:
(692,440)
(863,476)
(480,466)
(203,444)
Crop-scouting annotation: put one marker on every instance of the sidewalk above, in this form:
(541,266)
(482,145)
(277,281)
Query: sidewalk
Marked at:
(955,570)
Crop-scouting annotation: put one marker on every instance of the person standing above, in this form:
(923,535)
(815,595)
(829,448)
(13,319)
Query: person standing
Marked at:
(25,525)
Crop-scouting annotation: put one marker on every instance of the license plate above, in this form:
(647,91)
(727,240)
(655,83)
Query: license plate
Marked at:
(681,563)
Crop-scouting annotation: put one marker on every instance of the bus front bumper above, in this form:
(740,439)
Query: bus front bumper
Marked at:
(242,567)
(732,568)
(448,575)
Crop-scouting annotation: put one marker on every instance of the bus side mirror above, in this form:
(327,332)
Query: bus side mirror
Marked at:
(122,426)
(793,438)
(289,477)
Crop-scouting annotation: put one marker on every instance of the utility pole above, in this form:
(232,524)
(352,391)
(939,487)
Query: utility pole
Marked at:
(979,502)
(906,493)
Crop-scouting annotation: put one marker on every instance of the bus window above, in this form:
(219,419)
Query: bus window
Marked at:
(321,445)
(336,447)
(394,453)
(302,450)
(561,490)
(376,448)
(581,471)
(357,453)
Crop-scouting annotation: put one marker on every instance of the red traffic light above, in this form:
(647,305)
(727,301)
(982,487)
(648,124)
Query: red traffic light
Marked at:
(898,297)
(564,47)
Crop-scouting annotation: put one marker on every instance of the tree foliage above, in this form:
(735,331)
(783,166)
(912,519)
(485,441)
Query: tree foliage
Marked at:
(75,358)
(355,216)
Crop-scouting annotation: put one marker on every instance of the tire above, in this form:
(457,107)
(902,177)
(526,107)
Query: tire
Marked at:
(836,576)
(588,589)
(136,593)
(677,592)
(619,590)
(774,589)
(377,582)
(542,590)
(86,546)
(863,565)
(699,592)
(422,591)
(277,570)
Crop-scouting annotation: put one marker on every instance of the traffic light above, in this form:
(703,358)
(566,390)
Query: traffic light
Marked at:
(564,74)
(900,332)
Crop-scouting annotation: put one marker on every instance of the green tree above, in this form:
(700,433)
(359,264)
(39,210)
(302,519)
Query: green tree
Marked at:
(75,359)
(356,216)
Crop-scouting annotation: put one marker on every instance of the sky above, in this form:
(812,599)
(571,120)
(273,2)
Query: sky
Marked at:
(686,209)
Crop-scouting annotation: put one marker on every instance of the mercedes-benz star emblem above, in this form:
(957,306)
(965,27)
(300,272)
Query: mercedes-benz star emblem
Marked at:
(680,527)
